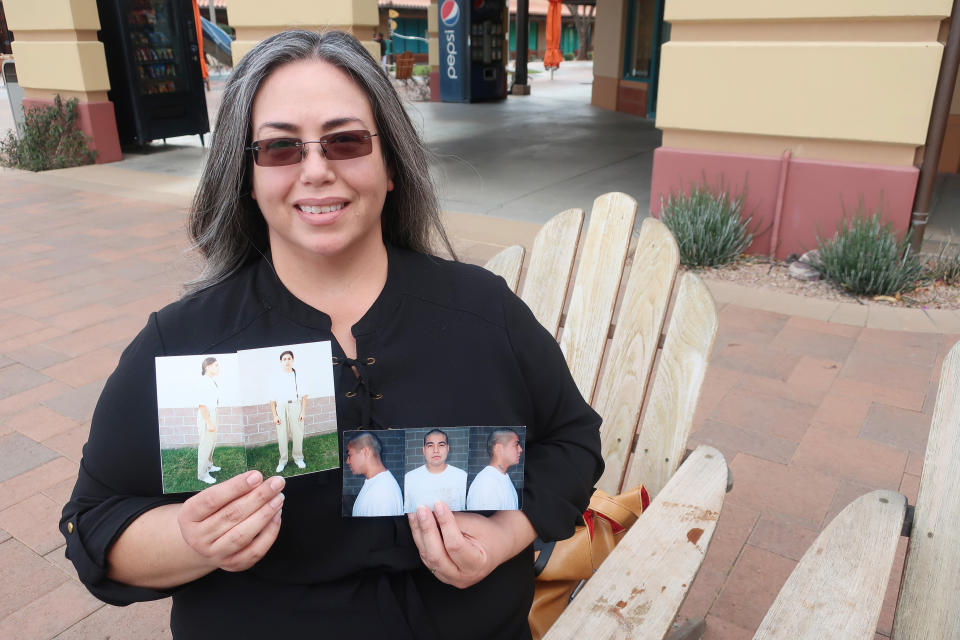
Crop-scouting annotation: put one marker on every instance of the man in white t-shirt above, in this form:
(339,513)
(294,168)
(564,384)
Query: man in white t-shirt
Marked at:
(436,481)
(288,406)
(380,494)
(492,489)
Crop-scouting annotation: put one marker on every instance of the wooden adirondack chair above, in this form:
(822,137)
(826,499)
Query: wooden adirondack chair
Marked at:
(641,585)
(836,590)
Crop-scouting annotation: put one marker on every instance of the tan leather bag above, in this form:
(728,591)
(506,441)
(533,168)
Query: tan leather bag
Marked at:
(562,567)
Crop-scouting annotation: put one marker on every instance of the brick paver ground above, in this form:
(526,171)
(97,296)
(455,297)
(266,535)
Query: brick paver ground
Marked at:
(809,414)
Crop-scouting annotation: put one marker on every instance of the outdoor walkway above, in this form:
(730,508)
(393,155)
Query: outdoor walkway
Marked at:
(809,413)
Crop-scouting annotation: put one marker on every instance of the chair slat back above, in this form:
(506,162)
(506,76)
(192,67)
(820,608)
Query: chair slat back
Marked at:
(595,288)
(507,264)
(640,586)
(673,396)
(861,541)
(929,599)
(550,266)
(630,357)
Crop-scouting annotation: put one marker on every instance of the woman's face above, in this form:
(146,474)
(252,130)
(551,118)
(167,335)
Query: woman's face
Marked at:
(318,207)
(213,369)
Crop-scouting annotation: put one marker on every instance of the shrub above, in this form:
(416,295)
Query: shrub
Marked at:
(866,258)
(49,139)
(708,224)
(569,56)
(421,70)
(945,266)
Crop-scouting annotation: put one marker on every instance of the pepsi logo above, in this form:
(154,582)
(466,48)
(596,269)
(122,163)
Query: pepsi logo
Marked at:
(449,12)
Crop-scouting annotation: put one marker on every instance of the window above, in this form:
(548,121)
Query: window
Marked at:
(641,39)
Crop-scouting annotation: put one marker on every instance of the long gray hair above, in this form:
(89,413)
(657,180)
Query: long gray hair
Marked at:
(226,225)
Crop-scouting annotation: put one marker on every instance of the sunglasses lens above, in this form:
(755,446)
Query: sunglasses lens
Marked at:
(278,152)
(348,144)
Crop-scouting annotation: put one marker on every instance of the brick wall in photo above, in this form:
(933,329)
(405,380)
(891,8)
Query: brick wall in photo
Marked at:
(178,427)
(321,417)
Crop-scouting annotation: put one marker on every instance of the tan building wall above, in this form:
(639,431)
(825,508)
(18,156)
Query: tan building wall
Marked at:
(255,20)
(608,42)
(57,52)
(831,96)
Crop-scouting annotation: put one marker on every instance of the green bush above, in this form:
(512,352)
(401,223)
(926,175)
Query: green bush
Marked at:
(421,70)
(865,257)
(49,139)
(569,56)
(708,224)
(945,266)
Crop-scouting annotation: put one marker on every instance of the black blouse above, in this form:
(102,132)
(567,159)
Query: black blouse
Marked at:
(445,344)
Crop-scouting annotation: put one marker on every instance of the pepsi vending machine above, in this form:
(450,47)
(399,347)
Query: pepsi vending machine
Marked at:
(473,50)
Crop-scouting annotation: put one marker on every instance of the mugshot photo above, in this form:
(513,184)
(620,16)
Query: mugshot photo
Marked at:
(495,468)
(436,467)
(200,420)
(373,468)
(394,471)
(290,409)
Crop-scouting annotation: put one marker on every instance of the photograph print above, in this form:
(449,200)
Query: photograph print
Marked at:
(270,409)
(394,471)
(290,407)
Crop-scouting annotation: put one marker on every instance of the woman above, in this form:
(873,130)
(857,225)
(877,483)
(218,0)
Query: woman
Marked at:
(315,213)
(207,420)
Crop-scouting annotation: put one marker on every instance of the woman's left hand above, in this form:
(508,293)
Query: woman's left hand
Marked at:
(461,549)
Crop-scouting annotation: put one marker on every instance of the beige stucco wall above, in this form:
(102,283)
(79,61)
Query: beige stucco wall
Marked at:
(845,80)
(51,14)
(254,20)
(56,48)
(679,10)
(876,92)
(608,42)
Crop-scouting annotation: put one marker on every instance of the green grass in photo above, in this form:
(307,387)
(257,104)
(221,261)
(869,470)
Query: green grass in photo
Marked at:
(180,467)
(319,453)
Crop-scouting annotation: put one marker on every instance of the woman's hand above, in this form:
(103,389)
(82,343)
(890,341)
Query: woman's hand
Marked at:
(461,549)
(232,525)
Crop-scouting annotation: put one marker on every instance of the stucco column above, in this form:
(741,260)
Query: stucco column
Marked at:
(811,105)
(57,52)
(255,20)
(433,38)
(608,37)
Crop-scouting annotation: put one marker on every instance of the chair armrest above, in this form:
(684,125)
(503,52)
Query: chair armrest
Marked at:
(836,590)
(639,588)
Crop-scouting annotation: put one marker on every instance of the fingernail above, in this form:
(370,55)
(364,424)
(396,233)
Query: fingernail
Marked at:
(277,501)
(276,518)
(422,514)
(276,483)
(254,478)
(439,508)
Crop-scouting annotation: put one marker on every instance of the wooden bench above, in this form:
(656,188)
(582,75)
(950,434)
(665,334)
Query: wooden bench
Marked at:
(837,588)
(639,588)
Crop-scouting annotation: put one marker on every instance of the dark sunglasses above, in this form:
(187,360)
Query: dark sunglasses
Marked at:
(342,145)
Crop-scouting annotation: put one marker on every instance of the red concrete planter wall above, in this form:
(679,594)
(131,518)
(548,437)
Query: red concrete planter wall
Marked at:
(814,195)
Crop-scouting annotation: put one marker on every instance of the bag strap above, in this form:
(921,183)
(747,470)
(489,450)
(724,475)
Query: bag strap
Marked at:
(546,550)
(623,509)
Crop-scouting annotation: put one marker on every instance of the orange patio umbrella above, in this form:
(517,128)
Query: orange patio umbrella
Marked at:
(552,58)
(203,60)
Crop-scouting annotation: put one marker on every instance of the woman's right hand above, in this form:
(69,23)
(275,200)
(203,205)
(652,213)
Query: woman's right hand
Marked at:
(233,524)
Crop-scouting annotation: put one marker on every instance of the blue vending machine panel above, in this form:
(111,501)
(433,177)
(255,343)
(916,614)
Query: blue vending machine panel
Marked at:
(454,19)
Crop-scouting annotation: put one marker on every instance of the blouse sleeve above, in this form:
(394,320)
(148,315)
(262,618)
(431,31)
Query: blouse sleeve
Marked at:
(119,477)
(563,459)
